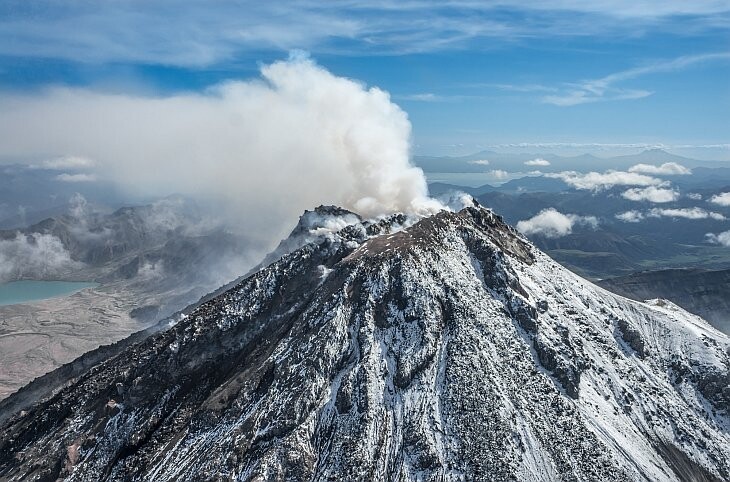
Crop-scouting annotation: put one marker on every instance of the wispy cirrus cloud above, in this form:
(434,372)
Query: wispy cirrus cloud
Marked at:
(602,145)
(606,88)
(193,34)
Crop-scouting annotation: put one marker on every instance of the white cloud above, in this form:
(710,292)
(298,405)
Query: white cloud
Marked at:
(720,238)
(586,96)
(68,163)
(687,213)
(695,196)
(630,216)
(602,145)
(34,256)
(65,177)
(605,180)
(722,199)
(266,148)
(480,162)
(537,162)
(668,168)
(191,33)
(554,224)
(604,88)
(498,174)
(424,97)
(652,194)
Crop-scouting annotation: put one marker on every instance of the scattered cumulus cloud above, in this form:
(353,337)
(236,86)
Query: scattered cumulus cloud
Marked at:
(597,181)
(480,162)
(720,238)
(667,169)
(686,213)
(554,224)
(695,196)
(80,177)
(722,199)
(537,162)
(652,194)
(630,216)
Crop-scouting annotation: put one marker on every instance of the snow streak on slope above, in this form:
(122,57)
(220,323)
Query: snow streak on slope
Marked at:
(451,349)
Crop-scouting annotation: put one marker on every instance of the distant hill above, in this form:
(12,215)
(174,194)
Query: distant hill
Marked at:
(703,292)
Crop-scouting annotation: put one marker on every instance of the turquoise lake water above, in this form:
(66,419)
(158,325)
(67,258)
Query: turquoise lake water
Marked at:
(24,291)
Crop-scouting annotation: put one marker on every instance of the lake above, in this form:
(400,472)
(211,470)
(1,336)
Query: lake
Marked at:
(24,291)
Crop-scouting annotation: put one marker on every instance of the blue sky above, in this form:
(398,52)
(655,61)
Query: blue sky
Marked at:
(579,76)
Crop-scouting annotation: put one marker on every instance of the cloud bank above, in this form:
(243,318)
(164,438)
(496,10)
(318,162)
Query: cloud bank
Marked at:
(266,148)
(554,224)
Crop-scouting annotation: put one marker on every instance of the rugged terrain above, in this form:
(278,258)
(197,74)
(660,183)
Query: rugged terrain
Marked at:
(151,261)
(447,349)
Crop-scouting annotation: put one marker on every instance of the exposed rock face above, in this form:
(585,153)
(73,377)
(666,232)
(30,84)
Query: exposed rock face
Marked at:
(450,349)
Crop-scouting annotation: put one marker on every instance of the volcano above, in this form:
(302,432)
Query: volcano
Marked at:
(445,348)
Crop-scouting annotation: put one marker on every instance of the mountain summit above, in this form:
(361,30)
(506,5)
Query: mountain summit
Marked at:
(445,349)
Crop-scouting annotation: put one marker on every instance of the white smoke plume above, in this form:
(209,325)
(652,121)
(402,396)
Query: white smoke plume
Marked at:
(267,148)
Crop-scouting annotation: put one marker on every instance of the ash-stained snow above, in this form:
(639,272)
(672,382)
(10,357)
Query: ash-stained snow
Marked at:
(445,349)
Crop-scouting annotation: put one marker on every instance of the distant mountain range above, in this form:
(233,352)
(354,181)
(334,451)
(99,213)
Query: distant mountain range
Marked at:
(488,160)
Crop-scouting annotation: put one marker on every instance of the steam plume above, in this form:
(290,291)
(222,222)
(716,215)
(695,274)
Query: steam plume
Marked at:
(268,148)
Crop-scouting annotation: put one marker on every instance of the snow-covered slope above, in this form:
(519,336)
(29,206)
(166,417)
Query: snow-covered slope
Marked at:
(449,349)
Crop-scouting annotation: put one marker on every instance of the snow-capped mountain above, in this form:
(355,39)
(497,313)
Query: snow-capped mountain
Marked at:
(445,349)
